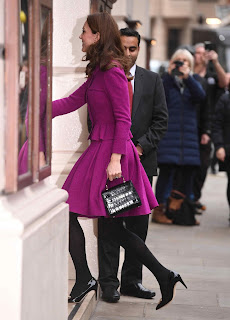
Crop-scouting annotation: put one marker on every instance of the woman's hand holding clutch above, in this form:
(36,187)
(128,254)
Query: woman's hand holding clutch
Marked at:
(114,167)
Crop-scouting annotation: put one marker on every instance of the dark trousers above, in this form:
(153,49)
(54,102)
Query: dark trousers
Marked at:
(175,177)
(225,166)
(201,171)
(228,188)
(109,253)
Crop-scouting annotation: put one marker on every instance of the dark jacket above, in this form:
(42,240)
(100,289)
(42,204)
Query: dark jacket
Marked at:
(149,116)
(180,145)
(221,124)
(203,110)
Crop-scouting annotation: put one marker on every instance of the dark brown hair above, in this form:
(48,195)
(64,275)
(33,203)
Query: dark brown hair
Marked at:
(108,51)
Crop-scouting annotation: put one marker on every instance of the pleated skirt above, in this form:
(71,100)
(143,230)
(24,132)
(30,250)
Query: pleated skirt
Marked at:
(88,178)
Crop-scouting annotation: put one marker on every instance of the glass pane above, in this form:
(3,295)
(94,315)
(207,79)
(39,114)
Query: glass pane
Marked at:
(44,72)
(24,147)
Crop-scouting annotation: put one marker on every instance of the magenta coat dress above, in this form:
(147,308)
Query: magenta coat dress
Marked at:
(106,94)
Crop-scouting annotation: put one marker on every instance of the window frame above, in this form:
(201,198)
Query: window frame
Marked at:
(46,170)
(13,181)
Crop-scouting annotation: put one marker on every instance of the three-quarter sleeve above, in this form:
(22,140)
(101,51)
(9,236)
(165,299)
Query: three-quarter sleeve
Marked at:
(117,90)
(71,103)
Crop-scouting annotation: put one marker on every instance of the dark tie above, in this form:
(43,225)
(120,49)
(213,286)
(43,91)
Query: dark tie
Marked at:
(130,95)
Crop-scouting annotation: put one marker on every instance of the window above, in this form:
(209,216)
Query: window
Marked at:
(28,88)
(173,41)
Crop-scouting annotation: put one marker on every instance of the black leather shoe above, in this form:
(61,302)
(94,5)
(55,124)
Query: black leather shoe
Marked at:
(110,294)
(137,290)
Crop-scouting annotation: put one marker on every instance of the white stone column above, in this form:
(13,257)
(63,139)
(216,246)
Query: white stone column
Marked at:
(134,10)
(187,32)
(34,253)
(159,32)
(70,131)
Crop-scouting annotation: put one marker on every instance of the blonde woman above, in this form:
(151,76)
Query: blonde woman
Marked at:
(178,152)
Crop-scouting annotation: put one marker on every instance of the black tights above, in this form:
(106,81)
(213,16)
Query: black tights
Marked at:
(78,255)
(115,230)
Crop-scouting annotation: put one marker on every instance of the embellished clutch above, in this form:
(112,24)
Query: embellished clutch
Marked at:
(120,198)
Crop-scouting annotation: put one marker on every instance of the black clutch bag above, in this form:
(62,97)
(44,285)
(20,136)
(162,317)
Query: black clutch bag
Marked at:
(120,198)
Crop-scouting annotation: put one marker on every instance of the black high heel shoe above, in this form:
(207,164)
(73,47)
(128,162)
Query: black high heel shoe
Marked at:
(92,285)
(167,288)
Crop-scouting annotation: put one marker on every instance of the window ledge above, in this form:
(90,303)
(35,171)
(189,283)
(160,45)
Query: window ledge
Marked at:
(20,210)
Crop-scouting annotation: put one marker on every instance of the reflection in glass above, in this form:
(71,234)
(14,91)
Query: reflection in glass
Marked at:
(24,106)
(43,161)
(25,131)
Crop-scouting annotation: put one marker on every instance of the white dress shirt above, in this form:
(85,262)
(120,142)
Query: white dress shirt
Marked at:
(133,71)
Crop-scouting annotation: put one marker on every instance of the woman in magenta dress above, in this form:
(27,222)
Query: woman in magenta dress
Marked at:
(110,155)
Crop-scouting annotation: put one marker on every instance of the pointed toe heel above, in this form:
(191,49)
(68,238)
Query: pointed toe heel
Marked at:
(167,289)
(181,281)
(91,285)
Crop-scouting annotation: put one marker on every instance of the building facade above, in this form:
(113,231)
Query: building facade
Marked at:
(180,22)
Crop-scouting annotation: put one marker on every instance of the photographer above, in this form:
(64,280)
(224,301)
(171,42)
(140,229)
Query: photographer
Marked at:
(178,152)
(207,66)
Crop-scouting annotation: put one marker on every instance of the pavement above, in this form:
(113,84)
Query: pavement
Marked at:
(201,254)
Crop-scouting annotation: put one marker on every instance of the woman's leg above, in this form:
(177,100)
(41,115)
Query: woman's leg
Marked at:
(183,180)
(164,182)
(163,189)
(78,255)
(114,229)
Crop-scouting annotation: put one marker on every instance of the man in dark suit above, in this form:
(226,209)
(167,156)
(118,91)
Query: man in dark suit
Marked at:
(149,123)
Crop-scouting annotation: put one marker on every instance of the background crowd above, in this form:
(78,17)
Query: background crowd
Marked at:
(197,94)
(179,127)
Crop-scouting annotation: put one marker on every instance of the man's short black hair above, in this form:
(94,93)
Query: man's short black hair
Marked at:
(127,32)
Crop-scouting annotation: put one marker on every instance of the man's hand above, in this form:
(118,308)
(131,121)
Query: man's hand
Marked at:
(139,150)
(220,154)
(211,55)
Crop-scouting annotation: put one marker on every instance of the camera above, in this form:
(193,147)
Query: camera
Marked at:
(175,71)
(208,45)
(178,63)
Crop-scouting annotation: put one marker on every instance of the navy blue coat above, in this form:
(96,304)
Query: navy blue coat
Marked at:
(180,144)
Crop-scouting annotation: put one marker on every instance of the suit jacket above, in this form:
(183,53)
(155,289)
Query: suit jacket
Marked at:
(149,116)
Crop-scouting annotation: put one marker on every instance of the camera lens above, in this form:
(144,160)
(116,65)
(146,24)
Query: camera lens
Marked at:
(178,63)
